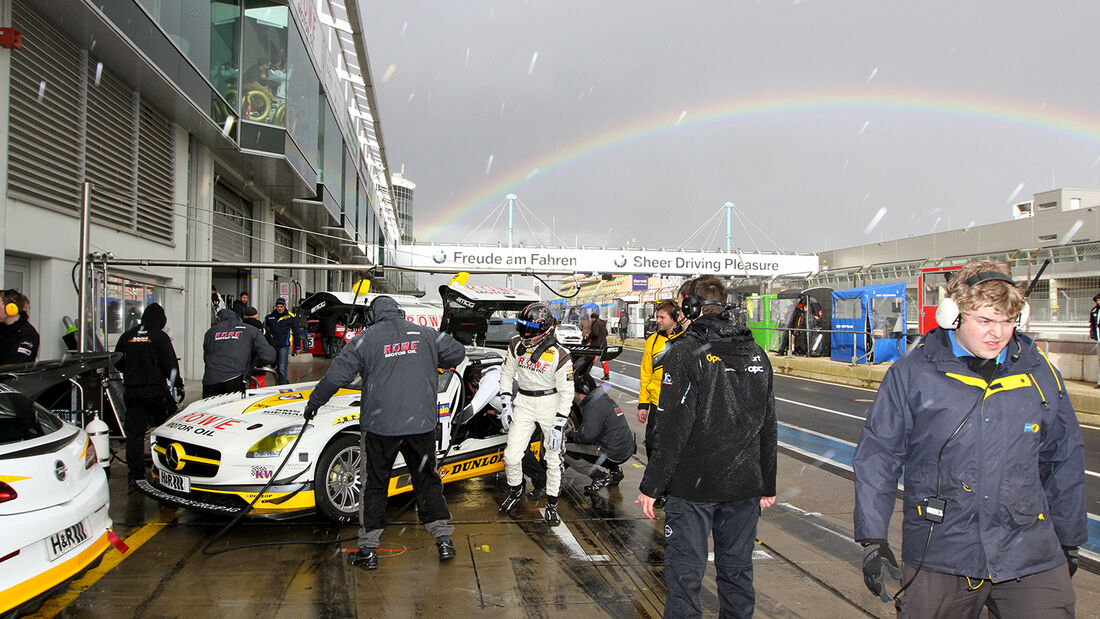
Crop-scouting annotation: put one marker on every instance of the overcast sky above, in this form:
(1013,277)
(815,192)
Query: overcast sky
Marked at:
(634,122)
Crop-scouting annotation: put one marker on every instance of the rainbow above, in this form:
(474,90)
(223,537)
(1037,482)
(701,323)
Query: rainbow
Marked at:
(969,106)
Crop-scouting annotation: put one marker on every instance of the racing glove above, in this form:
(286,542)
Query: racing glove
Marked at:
(1072,557)
(179,393)
(310,412)
(878,563)
(555,441)
(506,413)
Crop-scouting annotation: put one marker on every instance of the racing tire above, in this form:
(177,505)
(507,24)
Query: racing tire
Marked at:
(337,482)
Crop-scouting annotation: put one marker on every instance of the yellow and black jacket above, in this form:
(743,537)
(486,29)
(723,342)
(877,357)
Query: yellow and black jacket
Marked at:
(652,363)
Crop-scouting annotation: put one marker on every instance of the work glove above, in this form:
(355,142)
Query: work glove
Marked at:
(556,439)
(310,412)
(179,394)
(878,564)
(506,412)
(1072,557)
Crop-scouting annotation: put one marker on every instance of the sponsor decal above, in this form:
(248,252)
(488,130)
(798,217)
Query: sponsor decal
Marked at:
(1031,427)
(620,261)
(618,412)
(318,306)
(292,396)
(345,418)
(477,463)
(398,349)
(713,358)
(439,257)
(755,369)
(227,335)
(64,541)
(667,380)
(262,472)
(569,374)
(528,363)
(444,410)
(443,472)
(668,531)
(462,302)
(215,422)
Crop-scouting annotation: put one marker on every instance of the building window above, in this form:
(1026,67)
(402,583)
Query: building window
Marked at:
(1047,205)
(264,54)
(1074,204)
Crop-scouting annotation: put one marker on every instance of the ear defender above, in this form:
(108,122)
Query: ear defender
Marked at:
(11,309)
(10,306)
(690,304)
(947,312)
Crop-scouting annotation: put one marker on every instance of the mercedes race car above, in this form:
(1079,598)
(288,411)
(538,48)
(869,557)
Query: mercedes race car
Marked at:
(219,453)
(53,504)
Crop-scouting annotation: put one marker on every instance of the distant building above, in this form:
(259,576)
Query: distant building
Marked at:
(403,190)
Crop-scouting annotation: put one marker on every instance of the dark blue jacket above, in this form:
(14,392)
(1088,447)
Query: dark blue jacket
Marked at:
(1013,476)
(283,330)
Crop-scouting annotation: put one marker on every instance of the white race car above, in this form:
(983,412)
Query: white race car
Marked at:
(568,333)
(218,453)
(53,504)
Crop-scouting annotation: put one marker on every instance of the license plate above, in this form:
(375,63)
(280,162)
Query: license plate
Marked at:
(175,482)
(65,540)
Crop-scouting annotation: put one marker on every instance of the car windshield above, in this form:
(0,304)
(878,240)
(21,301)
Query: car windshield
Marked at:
(499,333)
(21,419)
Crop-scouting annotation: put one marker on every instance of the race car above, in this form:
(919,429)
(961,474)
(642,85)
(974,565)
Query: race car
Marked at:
(53,504)
(219,453)
(334,318)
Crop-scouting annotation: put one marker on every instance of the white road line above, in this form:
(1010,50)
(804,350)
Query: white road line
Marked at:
(628,363)
(825,382)
(827,410)
(572,545)
(757,555)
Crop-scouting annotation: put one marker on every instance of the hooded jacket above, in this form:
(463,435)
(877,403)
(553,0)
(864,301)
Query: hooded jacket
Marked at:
(603,424)
(1013,476)
(652,367)
(718,428)
(229,348)
(148,358)
(399,363)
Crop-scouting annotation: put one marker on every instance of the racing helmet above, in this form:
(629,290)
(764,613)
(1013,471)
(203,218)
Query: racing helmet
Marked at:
(535,322)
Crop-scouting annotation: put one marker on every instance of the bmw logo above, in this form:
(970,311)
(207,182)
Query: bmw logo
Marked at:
(440,257)
(620,261)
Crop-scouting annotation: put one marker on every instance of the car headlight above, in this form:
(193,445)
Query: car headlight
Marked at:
(271,445)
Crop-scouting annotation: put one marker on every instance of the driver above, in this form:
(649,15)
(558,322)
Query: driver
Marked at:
(544,371)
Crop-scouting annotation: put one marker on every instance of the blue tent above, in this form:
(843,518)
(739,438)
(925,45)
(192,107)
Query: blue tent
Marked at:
(875,317)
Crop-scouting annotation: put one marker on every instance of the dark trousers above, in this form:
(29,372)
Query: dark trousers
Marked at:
(589,458)
(282,363)
(687,526)
(142,404)
(233,385)
(419,453)
(1047,594)
(534,468)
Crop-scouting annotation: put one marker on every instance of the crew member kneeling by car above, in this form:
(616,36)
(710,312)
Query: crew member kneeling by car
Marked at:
(399,363)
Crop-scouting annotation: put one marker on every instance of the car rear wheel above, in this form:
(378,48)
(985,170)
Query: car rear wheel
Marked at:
(338,482)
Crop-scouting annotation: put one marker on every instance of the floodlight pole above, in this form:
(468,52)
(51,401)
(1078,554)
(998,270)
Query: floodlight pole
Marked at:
(729,233)
(511,205)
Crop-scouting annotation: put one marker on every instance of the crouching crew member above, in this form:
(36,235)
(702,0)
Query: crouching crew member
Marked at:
(229,350)
(981,424)
(604,439)
(18,339)
(543,369)
(399,362)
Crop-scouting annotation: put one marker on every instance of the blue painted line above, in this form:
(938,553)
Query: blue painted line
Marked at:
(842,453)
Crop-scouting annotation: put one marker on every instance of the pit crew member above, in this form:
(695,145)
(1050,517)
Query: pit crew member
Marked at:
(18,339)
(399,362)
(229,350)
(994,504)
(604,440)
(544,372)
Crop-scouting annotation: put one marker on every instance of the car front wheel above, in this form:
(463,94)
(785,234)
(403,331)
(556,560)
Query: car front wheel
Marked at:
(338,482)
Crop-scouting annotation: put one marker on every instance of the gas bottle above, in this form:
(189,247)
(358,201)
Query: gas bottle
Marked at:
(98,432)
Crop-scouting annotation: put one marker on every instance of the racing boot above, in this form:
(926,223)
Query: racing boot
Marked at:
(615,476)
(364,559)
(598,483)
(515,495)
(446,548)
(536,493)
(551,512)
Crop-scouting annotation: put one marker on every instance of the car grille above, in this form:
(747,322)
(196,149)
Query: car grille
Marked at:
(191,468)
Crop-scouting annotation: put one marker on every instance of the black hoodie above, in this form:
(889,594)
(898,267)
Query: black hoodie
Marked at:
(718,433)
(148,358)
(230,347)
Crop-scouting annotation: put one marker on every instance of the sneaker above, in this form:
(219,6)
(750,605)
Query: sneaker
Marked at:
(364,559)
(597,484)
(551,514)
(515,495)
(615,477)
(607,377)
(536,493)
(446,548)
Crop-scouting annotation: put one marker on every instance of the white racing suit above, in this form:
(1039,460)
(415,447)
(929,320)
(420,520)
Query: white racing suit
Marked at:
(545,391)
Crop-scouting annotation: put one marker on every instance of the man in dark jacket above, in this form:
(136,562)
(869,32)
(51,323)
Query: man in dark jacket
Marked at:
(18,339)
(241,303)
(598,339)
(229,350)
(981,423)
(284,335)
(252,317)
(717,462)
(399,362)
(148,363)
(1094,330)
(604,438)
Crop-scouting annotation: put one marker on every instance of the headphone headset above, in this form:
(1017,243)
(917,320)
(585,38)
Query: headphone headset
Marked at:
(10,307)
(947,312)
(691,305)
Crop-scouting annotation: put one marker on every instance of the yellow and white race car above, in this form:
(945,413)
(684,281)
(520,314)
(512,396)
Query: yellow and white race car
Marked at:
(53,504)
(217,454)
